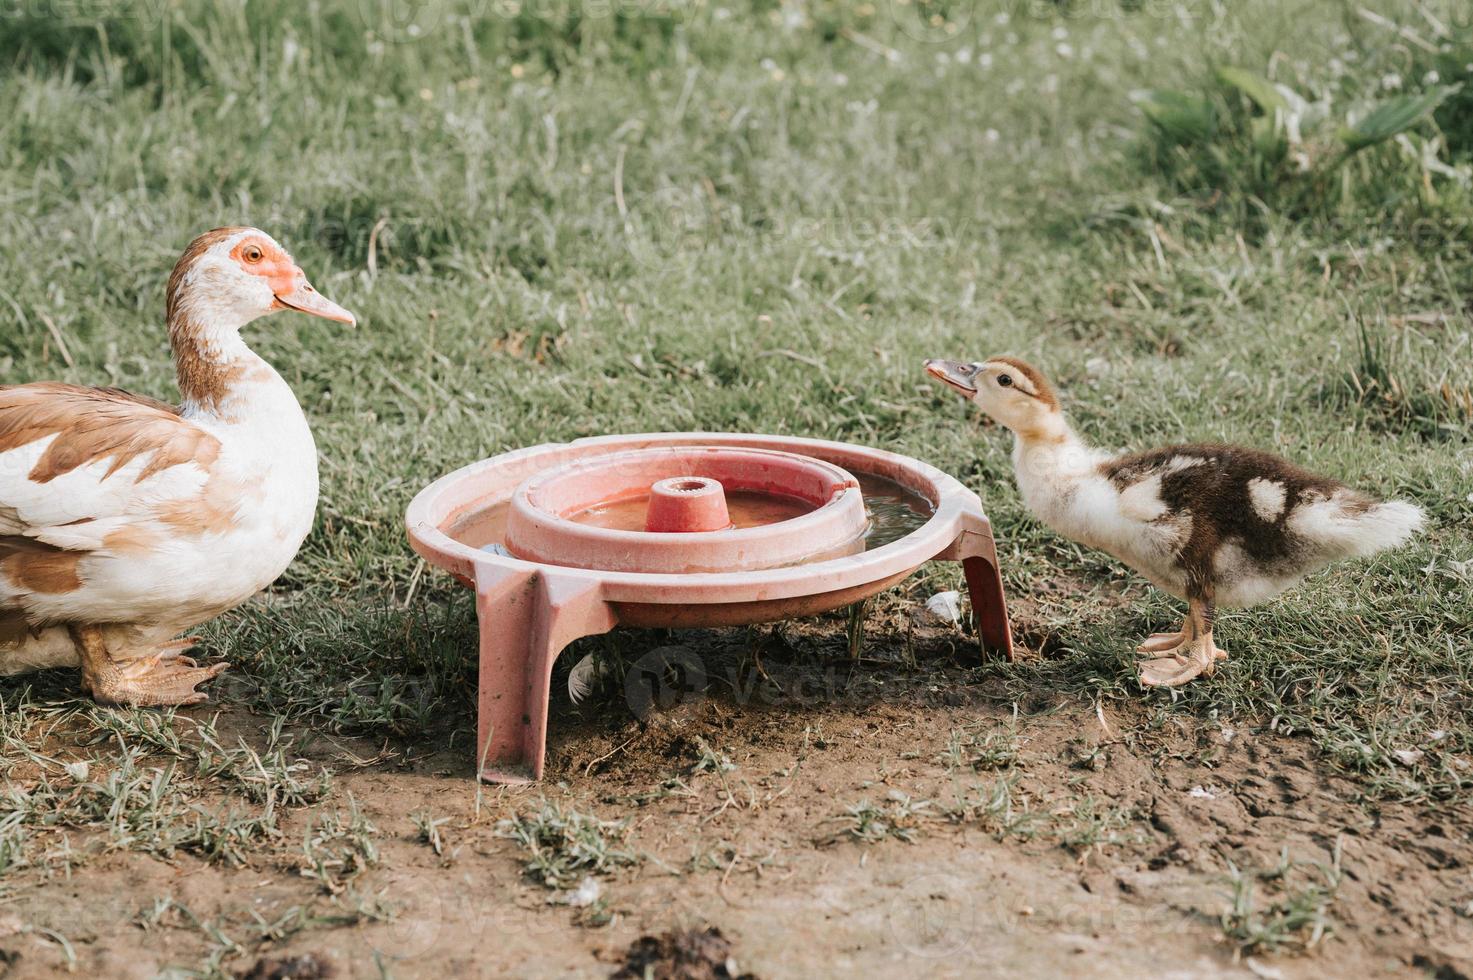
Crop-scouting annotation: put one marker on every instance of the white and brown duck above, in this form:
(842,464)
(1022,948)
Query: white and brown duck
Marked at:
(1212,524)
(125,521)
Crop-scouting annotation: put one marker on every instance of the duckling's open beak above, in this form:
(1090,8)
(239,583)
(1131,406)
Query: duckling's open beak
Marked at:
(962,377)
(296,293)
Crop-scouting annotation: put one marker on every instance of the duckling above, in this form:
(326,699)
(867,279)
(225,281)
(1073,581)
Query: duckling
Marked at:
(125,521)
(1215,525)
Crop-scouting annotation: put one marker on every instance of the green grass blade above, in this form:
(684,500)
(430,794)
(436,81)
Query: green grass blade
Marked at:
(1394,116)
(1181,117)
(1256,87)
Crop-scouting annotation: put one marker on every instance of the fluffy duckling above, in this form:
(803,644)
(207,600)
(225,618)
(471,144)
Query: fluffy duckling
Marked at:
(1212,524)
(125,521)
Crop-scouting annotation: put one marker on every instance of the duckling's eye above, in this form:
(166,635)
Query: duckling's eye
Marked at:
(1005,380)
(252,253)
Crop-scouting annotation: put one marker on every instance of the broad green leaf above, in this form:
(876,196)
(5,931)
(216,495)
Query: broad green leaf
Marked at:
(1268,135)
(1184,118)
(1259,89)
(1394,116)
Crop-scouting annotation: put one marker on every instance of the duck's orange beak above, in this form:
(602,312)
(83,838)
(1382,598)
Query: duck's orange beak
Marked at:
(294,292)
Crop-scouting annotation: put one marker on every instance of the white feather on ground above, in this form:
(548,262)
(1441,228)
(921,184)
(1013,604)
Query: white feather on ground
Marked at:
(584,678)
(943,608)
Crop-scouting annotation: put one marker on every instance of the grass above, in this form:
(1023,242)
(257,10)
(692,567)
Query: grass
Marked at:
(1297,920)
(978,750)
(897,817)
(566,221)
(261,933)
(141,792)
(337,848)
(428,827)
(563,845)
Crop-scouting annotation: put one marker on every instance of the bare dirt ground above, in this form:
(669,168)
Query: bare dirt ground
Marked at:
(1042,838)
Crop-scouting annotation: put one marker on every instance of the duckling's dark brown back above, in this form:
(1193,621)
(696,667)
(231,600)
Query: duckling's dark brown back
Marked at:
(1261,504)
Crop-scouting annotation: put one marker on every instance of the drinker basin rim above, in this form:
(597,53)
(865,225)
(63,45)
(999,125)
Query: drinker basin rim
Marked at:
(540,529)
(529,610)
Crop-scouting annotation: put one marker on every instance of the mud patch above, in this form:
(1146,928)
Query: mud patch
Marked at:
(305,967)
(683,954)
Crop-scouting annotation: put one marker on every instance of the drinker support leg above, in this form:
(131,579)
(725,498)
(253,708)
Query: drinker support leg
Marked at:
(528,617)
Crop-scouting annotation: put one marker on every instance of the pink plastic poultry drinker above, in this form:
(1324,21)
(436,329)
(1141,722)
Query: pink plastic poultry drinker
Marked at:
(572,539)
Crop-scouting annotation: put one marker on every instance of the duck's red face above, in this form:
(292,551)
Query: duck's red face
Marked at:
(258,255)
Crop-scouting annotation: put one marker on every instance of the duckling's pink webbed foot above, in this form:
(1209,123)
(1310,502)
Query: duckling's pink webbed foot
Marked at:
(1159,643)
(1187,661)
(1166,642)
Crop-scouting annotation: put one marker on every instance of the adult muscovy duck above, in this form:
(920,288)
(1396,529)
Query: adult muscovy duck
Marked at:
(1212,524)
(125,521)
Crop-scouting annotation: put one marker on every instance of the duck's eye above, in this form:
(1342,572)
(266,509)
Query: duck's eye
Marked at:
(252,253)
(1005,380)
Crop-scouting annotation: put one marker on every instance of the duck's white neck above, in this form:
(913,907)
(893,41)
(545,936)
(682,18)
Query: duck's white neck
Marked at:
(219,376)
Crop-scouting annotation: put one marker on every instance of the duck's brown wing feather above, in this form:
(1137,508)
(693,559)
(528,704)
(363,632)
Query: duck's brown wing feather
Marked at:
(45,534)
(96,423)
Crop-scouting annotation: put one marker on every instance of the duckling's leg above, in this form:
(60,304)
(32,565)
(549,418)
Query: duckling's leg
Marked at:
(165,677)
(1196,654)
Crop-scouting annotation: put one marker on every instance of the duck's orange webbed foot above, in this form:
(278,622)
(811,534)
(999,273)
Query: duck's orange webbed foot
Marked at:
(164,678)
